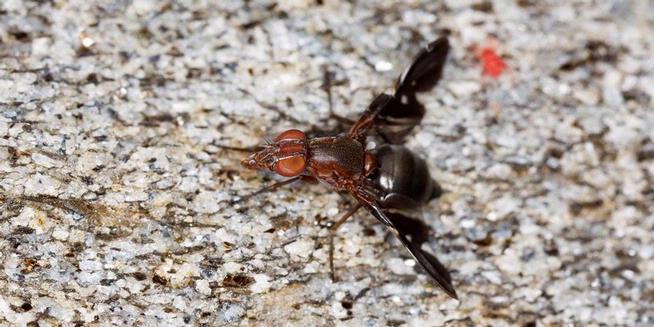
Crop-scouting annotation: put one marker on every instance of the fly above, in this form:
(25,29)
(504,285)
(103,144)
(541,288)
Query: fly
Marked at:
(383,180)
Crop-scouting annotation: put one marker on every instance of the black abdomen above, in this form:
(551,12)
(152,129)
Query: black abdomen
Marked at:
(404,177)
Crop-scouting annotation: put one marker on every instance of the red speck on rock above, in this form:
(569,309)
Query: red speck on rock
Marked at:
(493,65)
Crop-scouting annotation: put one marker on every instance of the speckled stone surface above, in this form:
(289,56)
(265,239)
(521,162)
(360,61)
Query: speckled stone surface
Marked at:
(116,183)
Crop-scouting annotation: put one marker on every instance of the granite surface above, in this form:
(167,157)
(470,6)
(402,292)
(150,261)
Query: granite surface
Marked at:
(117,173)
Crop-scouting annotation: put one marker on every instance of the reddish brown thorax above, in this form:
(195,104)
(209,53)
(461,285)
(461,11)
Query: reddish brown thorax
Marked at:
(339,161)
(286,157)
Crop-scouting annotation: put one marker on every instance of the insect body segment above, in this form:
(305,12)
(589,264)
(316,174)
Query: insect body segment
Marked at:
(404,178)
(336,159)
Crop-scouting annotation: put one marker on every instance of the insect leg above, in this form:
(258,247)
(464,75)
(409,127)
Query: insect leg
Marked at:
(332,233)
(341,119)
(267,188)
(327,87)
(345,217)
(237,148)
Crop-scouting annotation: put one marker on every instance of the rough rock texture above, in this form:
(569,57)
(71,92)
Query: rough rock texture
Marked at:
(116,178)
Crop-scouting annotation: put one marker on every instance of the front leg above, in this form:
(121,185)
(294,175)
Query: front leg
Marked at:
(267,188)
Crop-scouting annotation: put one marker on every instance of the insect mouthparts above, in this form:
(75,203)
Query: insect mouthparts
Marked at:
(248,163)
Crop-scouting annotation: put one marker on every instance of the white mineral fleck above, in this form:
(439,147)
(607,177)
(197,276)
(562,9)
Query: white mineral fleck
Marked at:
(232,267)
(44,161)
(261,283)
(60,234)
(209,202)
(40,184)
(398,266)
(301,248)
(509,262)
(464,88)
(587,96)
(202,286)
(383,66)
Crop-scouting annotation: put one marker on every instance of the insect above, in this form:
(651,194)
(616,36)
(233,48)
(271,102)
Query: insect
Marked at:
(384,180)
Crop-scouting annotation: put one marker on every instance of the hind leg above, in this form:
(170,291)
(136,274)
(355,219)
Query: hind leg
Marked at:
(332,233)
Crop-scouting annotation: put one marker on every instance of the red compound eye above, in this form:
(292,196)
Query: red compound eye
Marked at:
(293,151)
(290,167)
(291,134)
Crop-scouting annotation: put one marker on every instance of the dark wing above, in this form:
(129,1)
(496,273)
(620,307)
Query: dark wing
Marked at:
(394,116)
(418,233)
(404,227)
(426,69)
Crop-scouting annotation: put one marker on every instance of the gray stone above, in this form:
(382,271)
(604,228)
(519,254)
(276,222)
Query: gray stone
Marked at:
(118,188)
